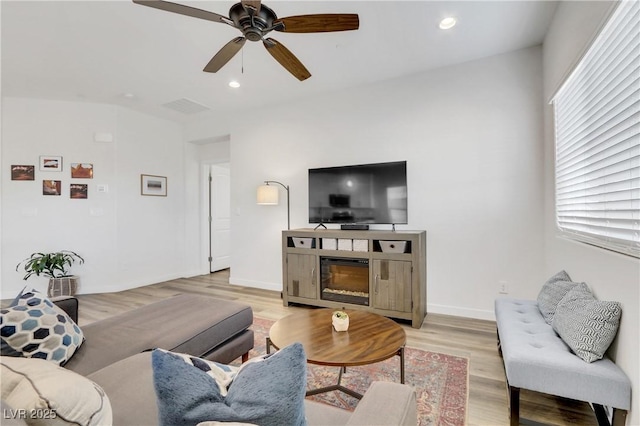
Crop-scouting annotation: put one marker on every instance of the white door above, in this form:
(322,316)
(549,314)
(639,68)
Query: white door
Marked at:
(220,218)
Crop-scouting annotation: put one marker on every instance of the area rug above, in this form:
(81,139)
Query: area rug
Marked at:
(441,381)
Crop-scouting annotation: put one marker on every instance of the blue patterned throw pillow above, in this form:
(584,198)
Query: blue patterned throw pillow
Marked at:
(35,328)
(269,392)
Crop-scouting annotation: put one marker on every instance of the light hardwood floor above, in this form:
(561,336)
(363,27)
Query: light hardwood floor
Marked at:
(473,339)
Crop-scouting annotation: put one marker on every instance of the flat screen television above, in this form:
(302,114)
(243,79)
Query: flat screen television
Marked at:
(365,193)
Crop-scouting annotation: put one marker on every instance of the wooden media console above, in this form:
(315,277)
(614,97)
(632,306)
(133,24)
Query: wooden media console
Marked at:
(383,272)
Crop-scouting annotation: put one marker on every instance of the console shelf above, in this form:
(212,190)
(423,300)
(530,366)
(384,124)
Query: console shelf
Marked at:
(384,272)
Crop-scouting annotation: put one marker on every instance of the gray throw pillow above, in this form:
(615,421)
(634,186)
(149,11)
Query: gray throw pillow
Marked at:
(586,325)
(268,392)
(552,293)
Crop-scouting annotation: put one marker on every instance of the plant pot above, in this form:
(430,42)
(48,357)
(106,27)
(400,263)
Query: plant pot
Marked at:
(64,286)
(340,324)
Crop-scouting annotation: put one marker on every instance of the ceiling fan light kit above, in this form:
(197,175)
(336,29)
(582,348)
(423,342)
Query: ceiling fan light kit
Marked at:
(255,21)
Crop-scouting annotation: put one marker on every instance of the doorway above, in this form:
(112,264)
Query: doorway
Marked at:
(219,217)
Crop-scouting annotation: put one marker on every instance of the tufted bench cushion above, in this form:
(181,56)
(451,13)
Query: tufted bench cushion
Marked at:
(536,358)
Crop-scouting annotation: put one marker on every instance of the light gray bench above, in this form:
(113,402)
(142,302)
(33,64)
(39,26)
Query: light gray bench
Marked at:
(537,359)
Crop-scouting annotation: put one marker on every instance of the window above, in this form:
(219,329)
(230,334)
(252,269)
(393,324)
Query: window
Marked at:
(597,130)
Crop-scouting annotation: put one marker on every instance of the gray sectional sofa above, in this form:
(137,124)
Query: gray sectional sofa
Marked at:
(115,355)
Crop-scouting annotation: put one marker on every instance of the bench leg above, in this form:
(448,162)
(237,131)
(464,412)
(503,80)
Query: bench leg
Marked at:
(245,357)
(514,406)
(619,417)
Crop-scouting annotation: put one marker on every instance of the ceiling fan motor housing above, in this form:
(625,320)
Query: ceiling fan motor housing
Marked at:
(252,25)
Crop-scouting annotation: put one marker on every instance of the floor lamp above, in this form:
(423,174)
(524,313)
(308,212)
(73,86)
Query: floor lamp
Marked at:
(268,196)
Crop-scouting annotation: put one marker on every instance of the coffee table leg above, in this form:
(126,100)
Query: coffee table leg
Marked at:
(335,387)
(401,354)
(268,344)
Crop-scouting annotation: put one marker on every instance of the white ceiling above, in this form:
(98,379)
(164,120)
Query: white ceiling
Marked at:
(99,50)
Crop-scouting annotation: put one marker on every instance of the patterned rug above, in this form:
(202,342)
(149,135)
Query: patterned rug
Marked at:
(441,381)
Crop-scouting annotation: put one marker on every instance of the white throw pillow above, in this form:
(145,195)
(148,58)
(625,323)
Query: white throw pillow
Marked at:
(42,393)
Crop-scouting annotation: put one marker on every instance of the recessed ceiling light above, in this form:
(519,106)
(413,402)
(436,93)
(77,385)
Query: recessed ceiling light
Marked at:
(234,84)
(447,23)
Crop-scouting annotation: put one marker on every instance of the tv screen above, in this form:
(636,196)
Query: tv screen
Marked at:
(366,193)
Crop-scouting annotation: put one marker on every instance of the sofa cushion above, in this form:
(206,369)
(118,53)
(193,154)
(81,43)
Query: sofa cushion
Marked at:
(268,392)
(34,327)
(52,395)
(185,323)
(552,292)
(121,380)
(586,325)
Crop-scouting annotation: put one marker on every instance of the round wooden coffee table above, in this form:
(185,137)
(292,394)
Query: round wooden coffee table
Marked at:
(371,338)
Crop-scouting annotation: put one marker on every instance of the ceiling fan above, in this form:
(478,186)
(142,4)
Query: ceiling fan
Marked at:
(255,21)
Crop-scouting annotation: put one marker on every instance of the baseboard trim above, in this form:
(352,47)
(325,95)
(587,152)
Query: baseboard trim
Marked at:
(255,284)
(129,285)
(461,312)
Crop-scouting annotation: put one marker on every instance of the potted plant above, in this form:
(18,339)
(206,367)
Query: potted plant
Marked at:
(55,266)
(340,321)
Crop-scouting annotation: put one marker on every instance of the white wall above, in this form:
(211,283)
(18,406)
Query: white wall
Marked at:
(472,136)
(611,276)
(126,239)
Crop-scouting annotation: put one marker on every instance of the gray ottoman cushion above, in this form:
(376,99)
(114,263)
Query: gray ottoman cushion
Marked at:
(185,323)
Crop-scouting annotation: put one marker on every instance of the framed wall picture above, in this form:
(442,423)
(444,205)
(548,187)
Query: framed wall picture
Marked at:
(50,163)
(51,187)
(23,172)
(78,191)
(82,171)
(153,185)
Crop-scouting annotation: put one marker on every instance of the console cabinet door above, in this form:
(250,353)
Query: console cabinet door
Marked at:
(302,275)
(392,285)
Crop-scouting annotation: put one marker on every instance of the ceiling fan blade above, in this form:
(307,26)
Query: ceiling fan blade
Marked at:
(251,4)
(225,54)
(185,10)
(286,59)
(319,23)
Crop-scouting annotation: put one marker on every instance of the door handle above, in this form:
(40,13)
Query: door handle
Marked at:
(375,283)
(313,274)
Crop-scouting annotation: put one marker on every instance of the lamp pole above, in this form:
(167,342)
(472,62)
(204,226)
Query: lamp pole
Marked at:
(286,187)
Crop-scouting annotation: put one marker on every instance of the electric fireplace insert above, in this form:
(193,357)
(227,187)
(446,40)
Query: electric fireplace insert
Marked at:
(345,280)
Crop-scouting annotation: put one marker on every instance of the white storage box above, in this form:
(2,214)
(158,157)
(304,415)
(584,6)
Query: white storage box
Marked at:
(329,244)
(345,244)
(360,245)
(393,246)
(302,242)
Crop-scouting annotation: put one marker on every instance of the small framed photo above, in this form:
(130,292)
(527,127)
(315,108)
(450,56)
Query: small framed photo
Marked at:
(82,171)
(78,191)
(51,187)
(22,172)
(153,185)
(50,163)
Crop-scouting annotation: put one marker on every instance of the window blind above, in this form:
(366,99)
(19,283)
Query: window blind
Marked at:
(597,131)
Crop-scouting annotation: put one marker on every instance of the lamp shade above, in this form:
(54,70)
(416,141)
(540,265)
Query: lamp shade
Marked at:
(267,195)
